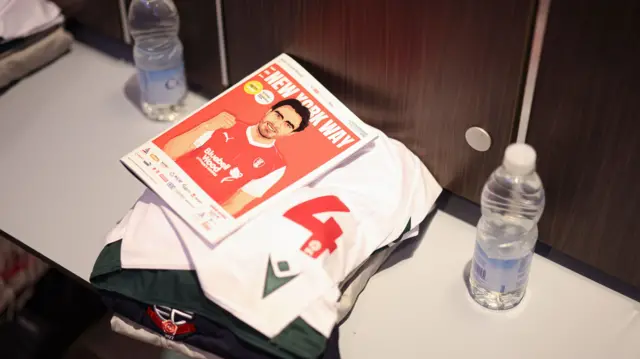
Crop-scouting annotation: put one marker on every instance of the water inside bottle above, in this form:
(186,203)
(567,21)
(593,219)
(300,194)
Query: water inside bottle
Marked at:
(506,237)
(158,56)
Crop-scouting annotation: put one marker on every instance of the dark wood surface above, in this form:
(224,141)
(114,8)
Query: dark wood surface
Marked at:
(198,33)
(101,16)
(422,71)
(585,124)
(199,36)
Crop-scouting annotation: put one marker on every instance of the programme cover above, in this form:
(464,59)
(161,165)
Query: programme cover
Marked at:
(276,130)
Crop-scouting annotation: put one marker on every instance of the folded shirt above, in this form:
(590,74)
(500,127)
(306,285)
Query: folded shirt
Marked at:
(22,57)
(351,289)
(21,18)
(280,273)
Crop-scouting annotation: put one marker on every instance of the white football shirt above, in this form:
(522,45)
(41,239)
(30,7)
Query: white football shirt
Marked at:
(289,261)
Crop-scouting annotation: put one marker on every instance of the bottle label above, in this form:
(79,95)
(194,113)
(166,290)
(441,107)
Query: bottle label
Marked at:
(162,87)
(500,275)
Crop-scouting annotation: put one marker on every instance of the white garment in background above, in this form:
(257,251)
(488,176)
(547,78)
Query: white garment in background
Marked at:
(21,271)
(21,18)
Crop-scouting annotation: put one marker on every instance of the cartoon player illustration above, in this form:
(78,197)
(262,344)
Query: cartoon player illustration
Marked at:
(233,162)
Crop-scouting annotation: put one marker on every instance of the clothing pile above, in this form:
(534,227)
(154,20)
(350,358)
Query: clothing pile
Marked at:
(31,36)
(19,271)
(279,285)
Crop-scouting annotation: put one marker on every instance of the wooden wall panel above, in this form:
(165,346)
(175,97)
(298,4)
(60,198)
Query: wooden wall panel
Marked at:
(101,16)
(585,124)
(422,71)
(199,35)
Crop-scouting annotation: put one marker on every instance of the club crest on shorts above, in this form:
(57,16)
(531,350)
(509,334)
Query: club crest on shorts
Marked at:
(258,162)
(176,316)
(171,321)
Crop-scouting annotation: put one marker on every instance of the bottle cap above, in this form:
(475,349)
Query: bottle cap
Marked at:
(519,159)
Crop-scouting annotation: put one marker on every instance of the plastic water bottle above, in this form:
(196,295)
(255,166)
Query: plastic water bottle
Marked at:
(512,203)
(158,57)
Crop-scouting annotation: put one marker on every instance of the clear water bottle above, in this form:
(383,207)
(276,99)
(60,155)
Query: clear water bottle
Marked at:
(512,203)
(158,57)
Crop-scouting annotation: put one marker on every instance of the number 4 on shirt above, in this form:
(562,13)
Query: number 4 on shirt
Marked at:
(323,234)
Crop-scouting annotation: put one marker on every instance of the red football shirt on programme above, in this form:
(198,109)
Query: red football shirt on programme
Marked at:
(226,160)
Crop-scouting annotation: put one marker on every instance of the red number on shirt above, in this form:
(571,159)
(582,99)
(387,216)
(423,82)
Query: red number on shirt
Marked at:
(323,234)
